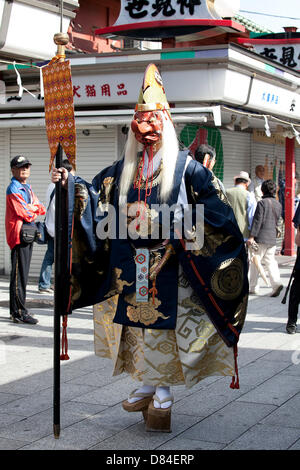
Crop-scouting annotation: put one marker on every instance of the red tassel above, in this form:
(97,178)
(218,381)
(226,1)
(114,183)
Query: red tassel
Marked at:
(235,383)
(153,290)
(138,179)
(64,340)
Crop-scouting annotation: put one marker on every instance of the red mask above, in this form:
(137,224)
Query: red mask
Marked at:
(147,127)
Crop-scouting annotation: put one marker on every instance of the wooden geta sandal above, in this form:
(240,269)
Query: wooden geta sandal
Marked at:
(159,419)
(139,405)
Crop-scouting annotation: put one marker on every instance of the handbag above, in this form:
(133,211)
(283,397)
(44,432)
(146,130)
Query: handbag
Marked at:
(42,234)
(28,233)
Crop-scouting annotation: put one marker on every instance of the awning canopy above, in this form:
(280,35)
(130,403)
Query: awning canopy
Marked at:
(191,29)
(111,117)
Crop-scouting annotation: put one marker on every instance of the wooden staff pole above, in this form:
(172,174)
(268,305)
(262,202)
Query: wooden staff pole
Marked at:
(61,40)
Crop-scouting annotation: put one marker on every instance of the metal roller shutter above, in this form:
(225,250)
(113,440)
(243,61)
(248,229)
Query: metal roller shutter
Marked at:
(261,150)
(94,152)
(5,176)
(237,154)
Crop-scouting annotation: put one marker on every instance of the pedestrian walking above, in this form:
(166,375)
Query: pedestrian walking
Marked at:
(264,233)
(242,202)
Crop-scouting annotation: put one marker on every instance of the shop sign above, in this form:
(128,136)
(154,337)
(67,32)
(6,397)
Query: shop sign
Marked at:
(271,98)
(260,136)
(133,11)
(285,54)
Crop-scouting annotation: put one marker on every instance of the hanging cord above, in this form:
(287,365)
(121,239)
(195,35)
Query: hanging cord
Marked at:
(139,176)
(19,83)
(149,173)
(137,185)
(138,181)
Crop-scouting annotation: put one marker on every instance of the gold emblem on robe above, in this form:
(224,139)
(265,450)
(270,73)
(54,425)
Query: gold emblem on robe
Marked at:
(227,280)
(143,312)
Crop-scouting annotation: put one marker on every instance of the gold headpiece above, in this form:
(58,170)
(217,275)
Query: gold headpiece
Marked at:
(152,96)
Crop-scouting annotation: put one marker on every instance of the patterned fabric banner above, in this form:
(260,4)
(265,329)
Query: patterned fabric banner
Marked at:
(142,274)
(59,110)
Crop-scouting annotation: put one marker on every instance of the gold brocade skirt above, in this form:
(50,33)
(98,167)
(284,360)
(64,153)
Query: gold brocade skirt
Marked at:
(186,355)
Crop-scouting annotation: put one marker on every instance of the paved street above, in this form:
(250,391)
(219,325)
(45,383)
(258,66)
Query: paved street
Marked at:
(263,414)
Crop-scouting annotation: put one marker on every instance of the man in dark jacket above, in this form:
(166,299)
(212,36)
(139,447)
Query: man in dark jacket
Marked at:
(263,232)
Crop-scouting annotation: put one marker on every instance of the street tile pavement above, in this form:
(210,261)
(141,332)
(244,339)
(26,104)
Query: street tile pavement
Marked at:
(263,414)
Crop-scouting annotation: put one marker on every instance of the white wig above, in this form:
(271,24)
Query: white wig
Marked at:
(169,152)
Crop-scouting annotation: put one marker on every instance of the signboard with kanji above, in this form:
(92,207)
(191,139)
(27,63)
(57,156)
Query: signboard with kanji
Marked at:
(158,19)
(133,11)
(285,54)
(285,51)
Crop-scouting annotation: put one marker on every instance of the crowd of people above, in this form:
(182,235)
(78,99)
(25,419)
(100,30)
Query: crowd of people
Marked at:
(149,289)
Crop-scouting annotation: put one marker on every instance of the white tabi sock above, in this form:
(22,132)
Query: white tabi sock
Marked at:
(162,393)
(144,389)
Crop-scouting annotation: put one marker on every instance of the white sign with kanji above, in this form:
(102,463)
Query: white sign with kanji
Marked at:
(137,11)
(284,54)
(272,99)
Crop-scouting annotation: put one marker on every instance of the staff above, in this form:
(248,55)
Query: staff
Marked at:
(61,40)
(57,298)
(58,89)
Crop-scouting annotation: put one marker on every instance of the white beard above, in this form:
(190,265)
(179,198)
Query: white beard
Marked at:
(169,151)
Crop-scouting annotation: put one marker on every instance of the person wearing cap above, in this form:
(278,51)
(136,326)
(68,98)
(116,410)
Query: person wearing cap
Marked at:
(263,233)
(164,301)
(22,207)
(242,202)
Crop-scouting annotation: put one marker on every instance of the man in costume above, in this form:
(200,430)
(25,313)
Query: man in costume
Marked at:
(168,309)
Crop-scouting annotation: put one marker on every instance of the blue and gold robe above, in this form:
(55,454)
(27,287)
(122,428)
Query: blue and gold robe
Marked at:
(188,329)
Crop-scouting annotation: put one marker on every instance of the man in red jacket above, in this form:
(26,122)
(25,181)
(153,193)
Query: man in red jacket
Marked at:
(22,207)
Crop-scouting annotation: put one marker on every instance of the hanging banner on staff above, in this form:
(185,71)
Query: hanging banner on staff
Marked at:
(59,110)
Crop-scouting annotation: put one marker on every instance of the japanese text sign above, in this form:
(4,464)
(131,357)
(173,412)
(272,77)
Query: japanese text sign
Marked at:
(284,54)
(136,11)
